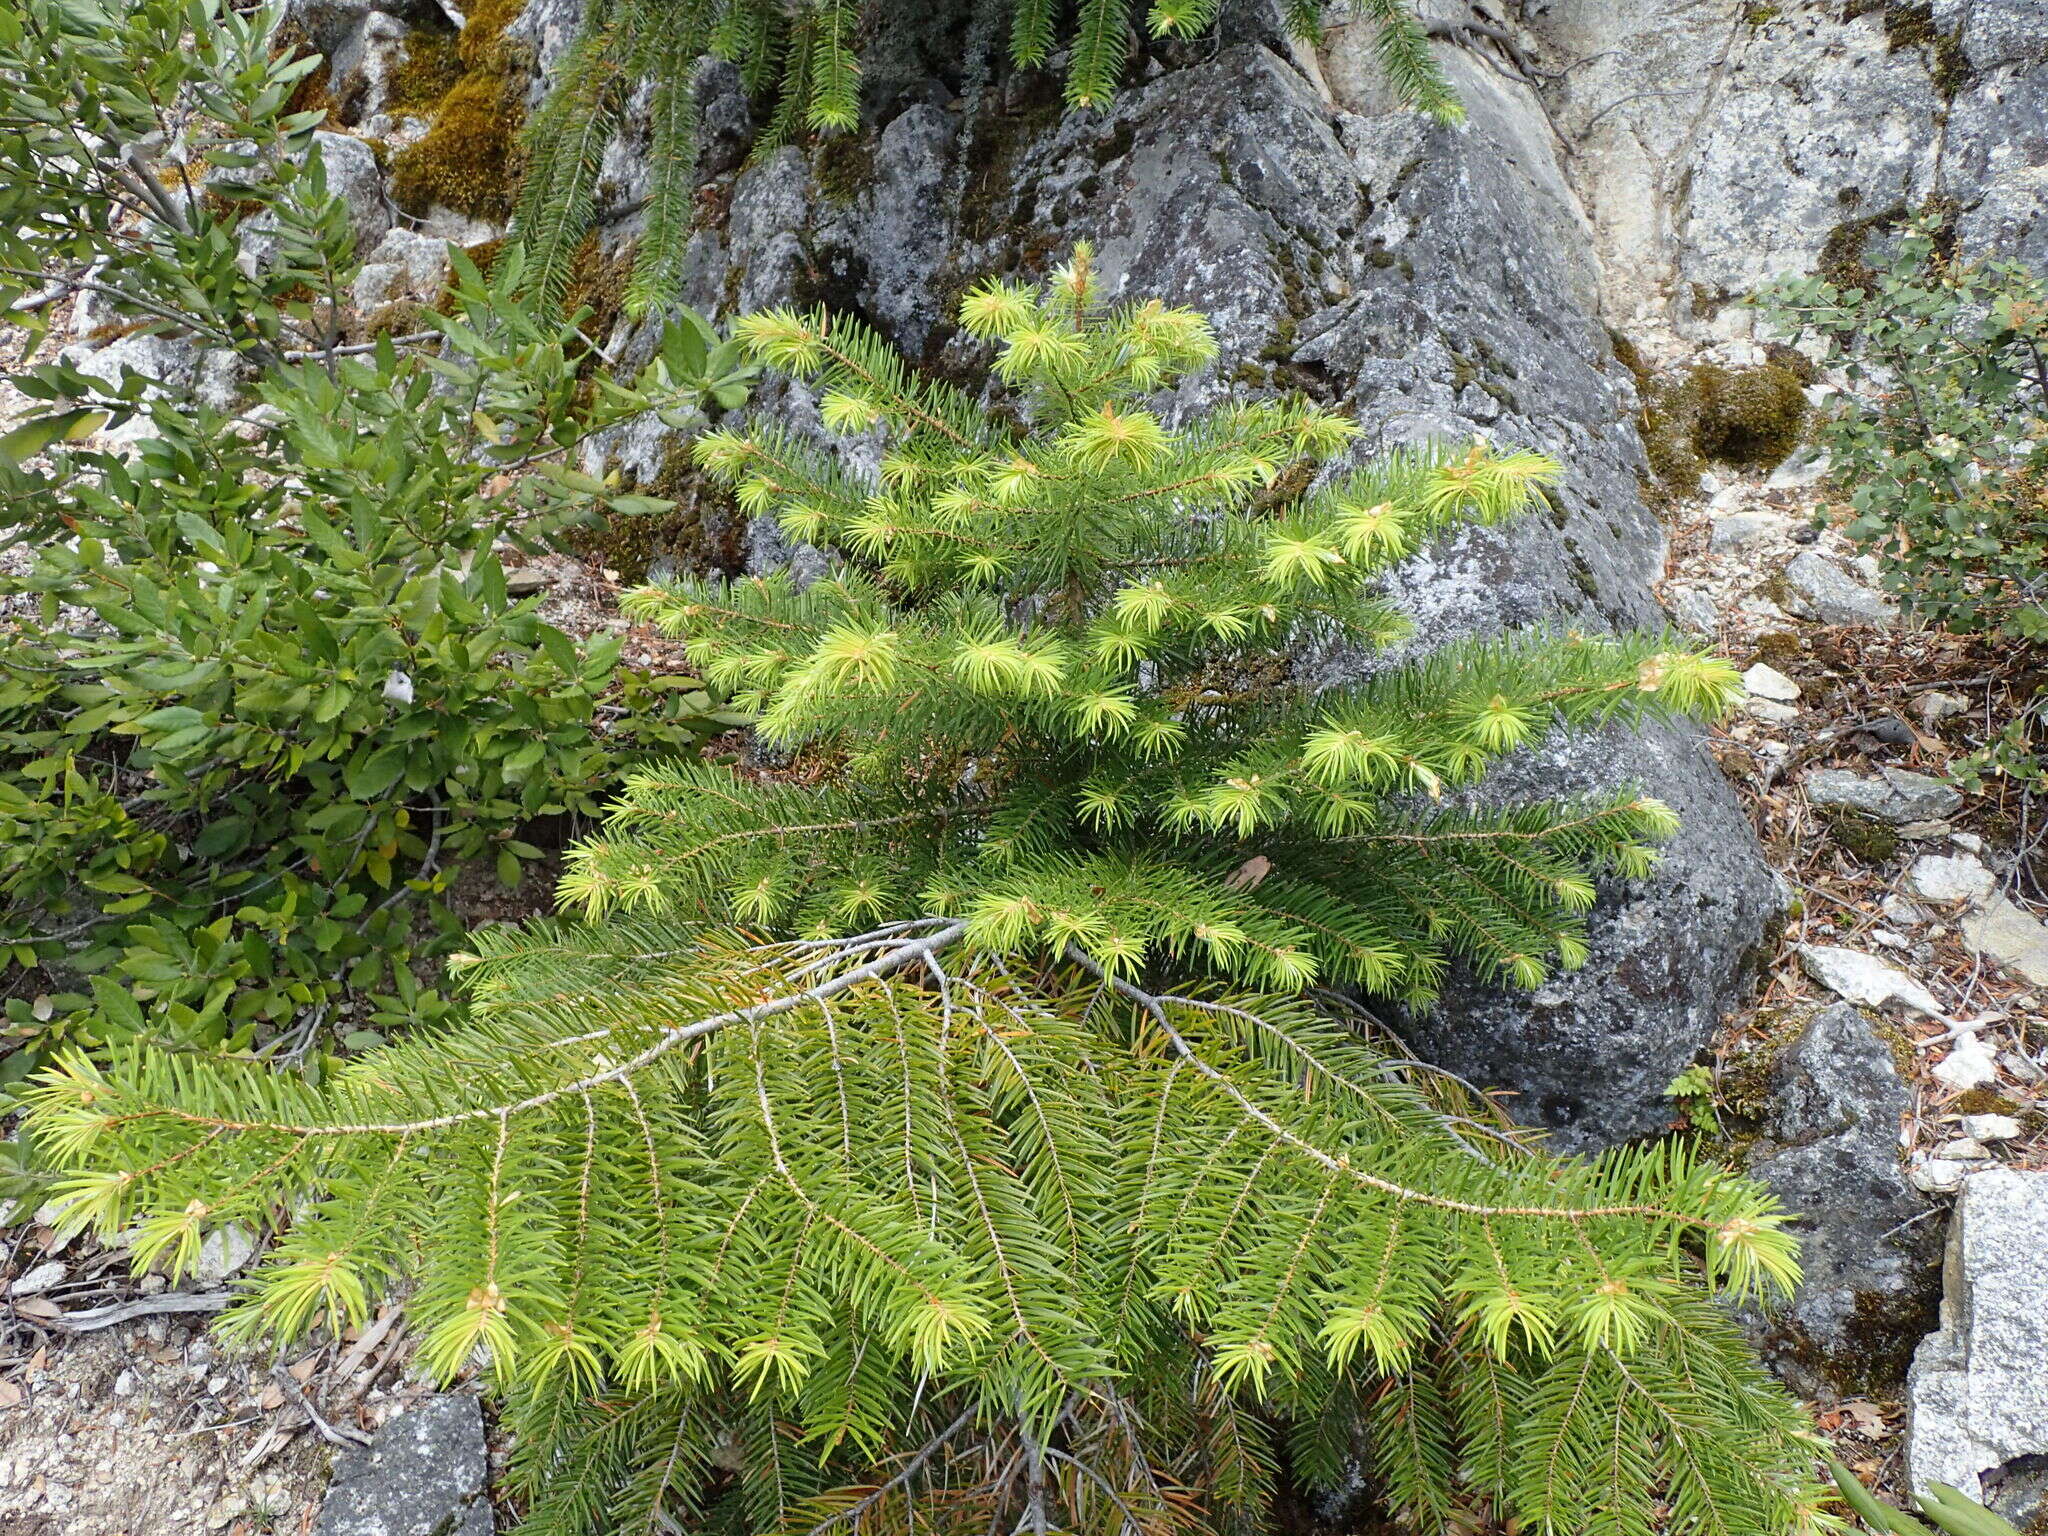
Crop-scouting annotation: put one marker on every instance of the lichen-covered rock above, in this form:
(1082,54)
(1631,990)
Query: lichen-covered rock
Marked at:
(354,176)
(1817,588)
(1830,1152)
(1978,1396)
(424,1475)
(1895,795)
(1719,145)
(1591,1053)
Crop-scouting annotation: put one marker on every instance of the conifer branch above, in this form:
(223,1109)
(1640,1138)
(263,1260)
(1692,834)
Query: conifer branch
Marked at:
(967,1106)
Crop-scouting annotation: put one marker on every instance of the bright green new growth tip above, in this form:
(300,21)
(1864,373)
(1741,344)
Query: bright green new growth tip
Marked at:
(1058,679)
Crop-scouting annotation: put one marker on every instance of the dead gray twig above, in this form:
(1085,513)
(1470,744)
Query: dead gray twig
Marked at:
(333,1434)
(90,1318)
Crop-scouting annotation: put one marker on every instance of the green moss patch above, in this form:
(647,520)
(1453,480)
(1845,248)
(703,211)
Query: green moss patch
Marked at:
(705,532)
(432,68)
(1750,418)
(469,159)
(1860,836)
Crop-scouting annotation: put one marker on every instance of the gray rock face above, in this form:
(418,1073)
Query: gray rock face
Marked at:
(1831,1152)
(330,24)
(1718,145)
(354,176)
(1978,1396)
(1590,1053)
(404,264)
(424,1475)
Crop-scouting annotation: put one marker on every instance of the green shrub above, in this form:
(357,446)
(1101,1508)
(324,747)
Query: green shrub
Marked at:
(1940,441)
(264,693)
(278,694)
(927,1125)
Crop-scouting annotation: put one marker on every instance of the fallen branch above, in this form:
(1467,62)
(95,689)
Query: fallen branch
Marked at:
(333,1434)
(90,1318)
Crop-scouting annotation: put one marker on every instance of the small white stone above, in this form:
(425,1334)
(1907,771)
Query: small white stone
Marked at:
(2011,935)
(1938,1177)
(1771,712)
(1969,1065)
(1990,1127)
(1859,978)
(1767,682)
(223,1252)
(1889,939)
(1963,1150)
(1949,878)
(1741,530)
(1902,911)
(125,1384)
(1969,840)
(1806,467)
(2022,1069)
(1937,707)
(42,1278)
(1925,831)
(1693,609)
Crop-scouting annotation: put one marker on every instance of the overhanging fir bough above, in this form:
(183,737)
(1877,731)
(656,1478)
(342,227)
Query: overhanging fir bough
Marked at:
(942,1131)
(805,55)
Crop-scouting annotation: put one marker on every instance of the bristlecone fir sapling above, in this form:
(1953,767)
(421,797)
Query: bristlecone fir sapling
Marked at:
(937,1125)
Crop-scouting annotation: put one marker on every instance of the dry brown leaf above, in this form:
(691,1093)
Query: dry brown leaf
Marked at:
(1866,1416)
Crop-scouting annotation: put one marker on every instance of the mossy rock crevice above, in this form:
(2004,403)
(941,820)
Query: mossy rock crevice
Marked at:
(469,160)
(703,534)
(1747,418)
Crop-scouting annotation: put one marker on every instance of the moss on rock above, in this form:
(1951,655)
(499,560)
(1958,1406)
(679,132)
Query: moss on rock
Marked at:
(1747,417)
(843,165)
(432,68)
(597,282)
(1750,418)
(704,532)
(469,159)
